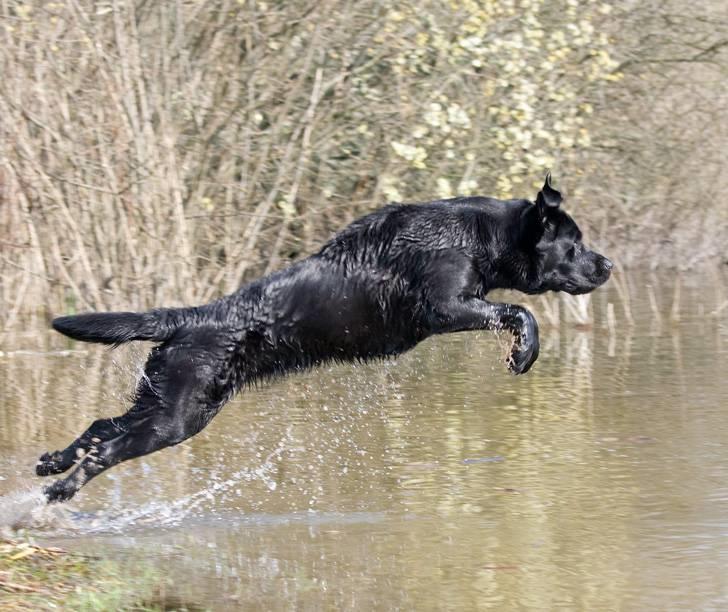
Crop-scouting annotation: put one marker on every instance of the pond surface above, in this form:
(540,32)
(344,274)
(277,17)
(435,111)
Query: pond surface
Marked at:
(599,481)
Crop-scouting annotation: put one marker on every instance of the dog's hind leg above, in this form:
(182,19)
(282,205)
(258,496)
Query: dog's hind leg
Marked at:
(100,431)
(185,385)
(145,435)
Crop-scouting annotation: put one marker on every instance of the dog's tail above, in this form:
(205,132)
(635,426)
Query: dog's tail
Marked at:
(119,327)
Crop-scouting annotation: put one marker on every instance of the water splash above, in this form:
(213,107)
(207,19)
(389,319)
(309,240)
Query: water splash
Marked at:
(29,509)
(171,514)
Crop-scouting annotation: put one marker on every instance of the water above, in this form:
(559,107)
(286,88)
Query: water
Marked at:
(438,481)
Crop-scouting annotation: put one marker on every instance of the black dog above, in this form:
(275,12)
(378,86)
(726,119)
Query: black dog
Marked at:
(385,283)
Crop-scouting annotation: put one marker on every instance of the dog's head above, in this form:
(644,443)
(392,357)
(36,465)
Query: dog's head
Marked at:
(552,237)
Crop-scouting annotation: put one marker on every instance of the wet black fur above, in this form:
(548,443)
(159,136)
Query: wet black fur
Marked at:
(385,283)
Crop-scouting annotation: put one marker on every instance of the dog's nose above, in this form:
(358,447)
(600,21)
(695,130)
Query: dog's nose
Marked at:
(607,264)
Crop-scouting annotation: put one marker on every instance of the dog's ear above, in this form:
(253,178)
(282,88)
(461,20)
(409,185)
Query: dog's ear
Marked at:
(531,226)
(548,197)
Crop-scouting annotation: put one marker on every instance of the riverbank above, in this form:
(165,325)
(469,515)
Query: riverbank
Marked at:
(34,577)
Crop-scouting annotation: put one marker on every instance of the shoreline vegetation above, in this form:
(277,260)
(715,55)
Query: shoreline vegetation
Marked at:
(163,154)
(34,577)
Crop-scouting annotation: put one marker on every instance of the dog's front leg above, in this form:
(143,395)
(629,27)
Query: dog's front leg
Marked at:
(462,314)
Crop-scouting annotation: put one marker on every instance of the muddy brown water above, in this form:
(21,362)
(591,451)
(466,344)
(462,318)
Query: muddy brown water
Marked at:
(599,481)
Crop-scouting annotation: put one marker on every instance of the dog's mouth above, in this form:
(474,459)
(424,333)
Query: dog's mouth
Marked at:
(588,285)
(580,289)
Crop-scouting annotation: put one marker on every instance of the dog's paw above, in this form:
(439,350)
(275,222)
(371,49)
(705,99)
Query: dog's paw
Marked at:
(60,491)
(522,358)
(51,463)
(525,345)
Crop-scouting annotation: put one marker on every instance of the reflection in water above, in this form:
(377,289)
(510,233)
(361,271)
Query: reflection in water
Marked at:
(598,481)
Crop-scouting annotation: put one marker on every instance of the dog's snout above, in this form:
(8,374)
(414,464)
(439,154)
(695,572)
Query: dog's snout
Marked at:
(607,263)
